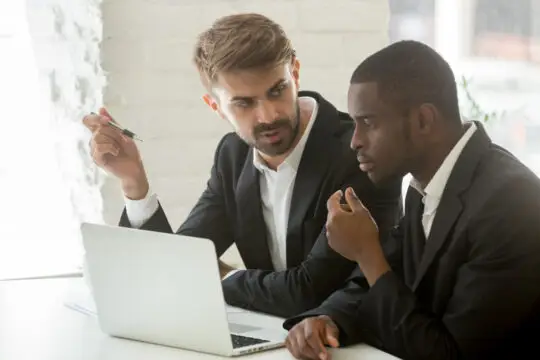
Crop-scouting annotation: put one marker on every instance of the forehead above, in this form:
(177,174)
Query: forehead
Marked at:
(250,83)
(363,97)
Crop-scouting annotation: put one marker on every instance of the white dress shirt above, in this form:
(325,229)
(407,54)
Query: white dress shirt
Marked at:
(433,192)
(276,192)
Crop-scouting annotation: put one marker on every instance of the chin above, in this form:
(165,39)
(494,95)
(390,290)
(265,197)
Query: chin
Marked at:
(384,179)
(373,177)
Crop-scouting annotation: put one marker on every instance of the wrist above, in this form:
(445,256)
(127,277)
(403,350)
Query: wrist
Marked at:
(373,266)
(136,188)
(326,318)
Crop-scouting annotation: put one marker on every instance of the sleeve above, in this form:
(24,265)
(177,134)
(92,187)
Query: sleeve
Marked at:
(139,211)
(208,218)
(495,291)
(293,291)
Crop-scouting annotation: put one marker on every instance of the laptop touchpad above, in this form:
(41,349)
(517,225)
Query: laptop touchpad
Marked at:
(241,328)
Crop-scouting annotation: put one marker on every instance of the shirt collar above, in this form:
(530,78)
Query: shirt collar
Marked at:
(436,185)
(293,159)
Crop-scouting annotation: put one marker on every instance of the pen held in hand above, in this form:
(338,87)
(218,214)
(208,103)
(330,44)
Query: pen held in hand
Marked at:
(126,132)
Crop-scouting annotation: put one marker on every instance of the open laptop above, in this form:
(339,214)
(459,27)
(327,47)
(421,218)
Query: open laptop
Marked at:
(165,289)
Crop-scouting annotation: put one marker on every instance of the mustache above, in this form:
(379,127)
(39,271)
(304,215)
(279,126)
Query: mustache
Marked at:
(278,124)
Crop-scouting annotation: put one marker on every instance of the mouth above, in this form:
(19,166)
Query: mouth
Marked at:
(272,136)
(366,166)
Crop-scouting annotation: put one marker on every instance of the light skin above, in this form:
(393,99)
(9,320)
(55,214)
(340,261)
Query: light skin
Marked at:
(261,105)
(389,143)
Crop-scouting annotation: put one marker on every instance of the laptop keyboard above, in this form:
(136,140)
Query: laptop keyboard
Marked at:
(242,341)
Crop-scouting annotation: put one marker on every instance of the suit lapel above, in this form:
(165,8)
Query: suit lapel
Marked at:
(316,158)
(253,232)
(447,213)
(451,205)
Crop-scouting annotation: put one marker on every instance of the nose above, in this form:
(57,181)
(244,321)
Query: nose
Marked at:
(357,141)
(266,112)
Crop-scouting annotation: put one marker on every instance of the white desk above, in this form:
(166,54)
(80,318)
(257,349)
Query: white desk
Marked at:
(35,324)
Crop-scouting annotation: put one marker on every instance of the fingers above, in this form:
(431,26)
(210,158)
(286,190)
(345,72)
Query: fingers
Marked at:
(297,343)
(333,203)
(315,336)
(103,112)
(105,142)
(293,343)
(100,152)
(353,201)
(331,336)
(93,121)
(331,331)
(109,132)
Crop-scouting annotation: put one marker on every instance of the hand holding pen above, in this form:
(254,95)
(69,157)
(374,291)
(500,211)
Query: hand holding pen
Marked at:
(113,149)
(124,131)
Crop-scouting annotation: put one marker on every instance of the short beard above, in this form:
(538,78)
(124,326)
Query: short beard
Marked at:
(280,148)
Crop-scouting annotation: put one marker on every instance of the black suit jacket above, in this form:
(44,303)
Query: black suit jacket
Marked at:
(229,211)
(472,290)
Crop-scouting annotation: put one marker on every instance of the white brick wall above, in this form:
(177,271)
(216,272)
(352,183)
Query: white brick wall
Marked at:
(154,90)
(50,76)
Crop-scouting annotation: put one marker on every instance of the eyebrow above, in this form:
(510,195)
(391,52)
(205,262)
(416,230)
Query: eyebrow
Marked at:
(276,85)
(364,116)
(249,98)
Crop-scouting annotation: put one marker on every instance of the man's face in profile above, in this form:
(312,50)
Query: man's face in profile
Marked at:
(382,138)
(262,105)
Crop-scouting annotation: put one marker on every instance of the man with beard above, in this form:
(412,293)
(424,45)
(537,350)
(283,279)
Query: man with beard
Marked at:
(270,179)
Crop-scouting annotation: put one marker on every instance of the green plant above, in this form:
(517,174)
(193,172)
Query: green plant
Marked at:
(474,110)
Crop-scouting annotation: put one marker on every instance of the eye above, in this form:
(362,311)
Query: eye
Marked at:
(277,91)
(243,104)
(365,121)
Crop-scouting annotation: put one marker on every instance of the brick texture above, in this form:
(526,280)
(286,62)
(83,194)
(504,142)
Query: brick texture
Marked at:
(50,76)
(153,89)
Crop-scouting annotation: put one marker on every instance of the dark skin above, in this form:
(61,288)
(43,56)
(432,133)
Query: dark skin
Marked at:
(389,142)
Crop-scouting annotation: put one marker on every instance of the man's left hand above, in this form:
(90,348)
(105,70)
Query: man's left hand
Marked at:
(352,232)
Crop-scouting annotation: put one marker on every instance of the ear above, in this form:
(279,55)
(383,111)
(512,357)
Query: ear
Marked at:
(427,116)
(207,98)
(295,68)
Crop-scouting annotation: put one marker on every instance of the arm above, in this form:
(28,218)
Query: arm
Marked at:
(496,291)
(295,290)
(344,304)
(208,218)
(291,291)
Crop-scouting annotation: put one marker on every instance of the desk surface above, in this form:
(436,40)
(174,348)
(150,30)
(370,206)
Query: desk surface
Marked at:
(35,324)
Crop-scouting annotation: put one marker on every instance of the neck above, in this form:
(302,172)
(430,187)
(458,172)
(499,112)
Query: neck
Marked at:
(304,116)
(435,155)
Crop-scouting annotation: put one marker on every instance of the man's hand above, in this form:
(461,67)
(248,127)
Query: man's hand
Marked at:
(307,340)
(354,234)
(224,269)
(117,154)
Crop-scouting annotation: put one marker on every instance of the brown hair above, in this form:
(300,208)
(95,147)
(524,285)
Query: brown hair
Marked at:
(241,42)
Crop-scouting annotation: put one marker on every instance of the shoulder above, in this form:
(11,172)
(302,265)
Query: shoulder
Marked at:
(231,145)
(505,190)
(500,172)
(231,153)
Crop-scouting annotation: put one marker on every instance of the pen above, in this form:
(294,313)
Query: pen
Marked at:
(124,131)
